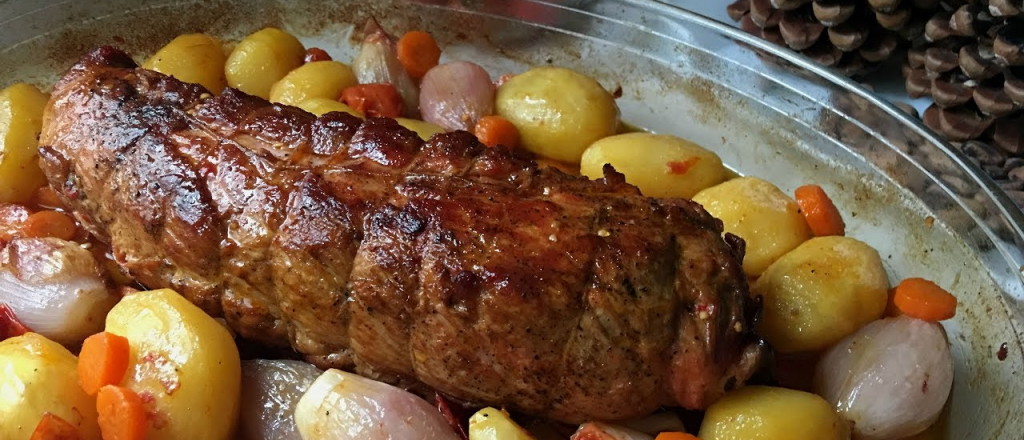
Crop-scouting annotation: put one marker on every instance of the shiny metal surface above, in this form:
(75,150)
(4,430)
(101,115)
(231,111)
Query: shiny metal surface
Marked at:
(767,113)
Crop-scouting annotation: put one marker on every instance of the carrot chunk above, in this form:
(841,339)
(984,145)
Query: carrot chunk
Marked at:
(924,300)
(122,414)
(374,100)
(52,427)
(496,130)
(819,211)
(418,53)
(49,224)
(675,436)
(103,361)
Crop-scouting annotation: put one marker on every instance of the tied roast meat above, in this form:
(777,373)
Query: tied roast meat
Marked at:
(442,263)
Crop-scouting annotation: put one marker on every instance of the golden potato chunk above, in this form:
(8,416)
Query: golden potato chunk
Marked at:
(820,292)
(319,79)
(423,128)
(262,59)
(559,112)
(769,413)
(495,424)
(38,376)
(193,58)
(186,361)
(21,120)
(760,213)
(660,165)
(321,106)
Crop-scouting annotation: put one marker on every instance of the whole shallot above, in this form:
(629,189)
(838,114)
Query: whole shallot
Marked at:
(377,63)
(55,287)
(346,406)
(456,95)
(270,391)
(891,378)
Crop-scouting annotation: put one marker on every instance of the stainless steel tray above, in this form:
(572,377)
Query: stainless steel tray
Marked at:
(766,112)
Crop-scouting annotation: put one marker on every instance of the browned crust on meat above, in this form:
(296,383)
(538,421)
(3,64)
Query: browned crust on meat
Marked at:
(445,263)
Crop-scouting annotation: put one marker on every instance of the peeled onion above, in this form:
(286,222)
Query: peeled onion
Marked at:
(456,95)
(270,392)
(602,431)
(891,378)
(55,288)
(345,406)
(377,63)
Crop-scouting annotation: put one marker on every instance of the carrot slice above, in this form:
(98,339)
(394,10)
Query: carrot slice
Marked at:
(122,414)
(46,197)
(418,52)
(924,300)
(496,130)
(819,211)
(374,100)
(52,427)
(675,436)
(103,361)
(49,224)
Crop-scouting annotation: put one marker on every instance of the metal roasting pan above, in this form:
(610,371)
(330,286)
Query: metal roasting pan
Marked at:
(767,112)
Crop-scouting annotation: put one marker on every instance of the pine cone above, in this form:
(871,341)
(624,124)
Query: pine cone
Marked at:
(972,66)
(853,36)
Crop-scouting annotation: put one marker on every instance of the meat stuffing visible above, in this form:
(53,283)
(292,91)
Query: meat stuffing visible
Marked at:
(463,268)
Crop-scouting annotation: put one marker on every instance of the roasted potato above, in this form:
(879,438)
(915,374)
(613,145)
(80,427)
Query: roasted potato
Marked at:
(760,213)
(262,59)
(194,58)
(319,79)
(21,120)
(769,413)
(38,376)
(186,361)
(660,165)
(558,112)
(495,424)
(422,128)
(816,294)
(320,106)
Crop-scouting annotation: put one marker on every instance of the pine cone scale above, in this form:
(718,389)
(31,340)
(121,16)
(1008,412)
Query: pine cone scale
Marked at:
(832,13)
(1009,45)
(941,60)
(977,65)
(1008,136)
(884,5)
(799,29)
(763,15)
(788,5)
(737,9)
(993,101)
(1014,86)
(950,93)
